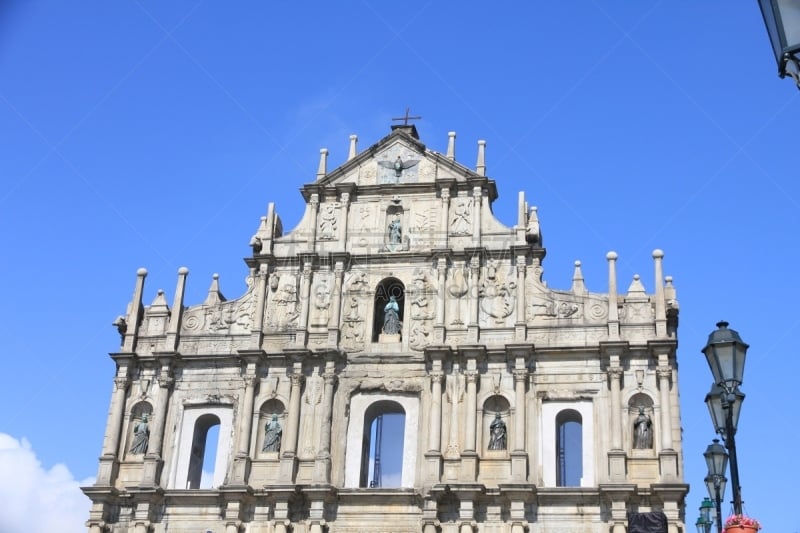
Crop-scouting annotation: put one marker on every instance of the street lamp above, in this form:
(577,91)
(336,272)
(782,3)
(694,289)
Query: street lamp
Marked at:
(704,521)
(782,18)
(717,461)
(726,353)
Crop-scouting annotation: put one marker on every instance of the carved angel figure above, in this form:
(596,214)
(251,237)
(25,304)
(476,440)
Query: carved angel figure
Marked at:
(399,165)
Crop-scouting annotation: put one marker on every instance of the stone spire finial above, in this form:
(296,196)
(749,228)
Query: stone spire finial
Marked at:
(480,166)
(171,340)
(323,163)
(661,305)
(214,295)
(613,310)
(578,286)
(134,315)
(451,145)
(160,302)
(353,143)
(636,288)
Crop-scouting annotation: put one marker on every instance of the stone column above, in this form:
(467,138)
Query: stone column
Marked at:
(312,234)
(322,468)
(444,223)
(520,376)
(345,211)
(474,297)
(257,326)
(241,461)
(615,377)
(469,433)
(113,429)
(305,294)
(477,195)
(114,426)
(289,442)
(664,374)
(246,421)
(435,435)
(441,294)
(455,394)
(519,330)
(336,304)
(152,460)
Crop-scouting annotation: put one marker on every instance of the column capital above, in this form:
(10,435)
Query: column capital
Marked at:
(471,376)
(250,381)
(615,372)
(297,379)
(329,377)
(121,382)
(520,374)
(664,372)
(436,376)
(166,381)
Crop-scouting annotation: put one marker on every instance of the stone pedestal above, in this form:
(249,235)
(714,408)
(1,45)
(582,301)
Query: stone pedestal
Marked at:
(469,467)
(616,466)
(519,467)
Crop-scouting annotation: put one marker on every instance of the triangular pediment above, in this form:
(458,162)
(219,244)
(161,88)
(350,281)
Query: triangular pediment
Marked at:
(398,158)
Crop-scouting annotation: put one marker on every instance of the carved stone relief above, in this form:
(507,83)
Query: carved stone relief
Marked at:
(461,219)
(226,317)
(498,292)
(398,164)
(328,221)
(354,312)
(320,300)
(456,291)
(283,306)
(421,294)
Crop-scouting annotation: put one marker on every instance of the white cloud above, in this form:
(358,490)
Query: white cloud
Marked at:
(33,498)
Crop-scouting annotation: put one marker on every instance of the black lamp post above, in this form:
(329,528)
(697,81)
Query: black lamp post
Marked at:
(782,18)
(726,354)
(717,461)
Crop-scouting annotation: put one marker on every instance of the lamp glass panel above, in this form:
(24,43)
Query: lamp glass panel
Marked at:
(790,21)
(768,12)
(714,403)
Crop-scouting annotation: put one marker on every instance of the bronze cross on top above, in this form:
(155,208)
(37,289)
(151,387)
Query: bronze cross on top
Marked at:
(406,118)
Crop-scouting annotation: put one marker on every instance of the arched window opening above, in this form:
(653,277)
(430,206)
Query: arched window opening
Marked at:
(389,308)
(569,448)
(205,442)
(382,448)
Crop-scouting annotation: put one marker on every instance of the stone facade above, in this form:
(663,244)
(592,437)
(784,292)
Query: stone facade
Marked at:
(525,409)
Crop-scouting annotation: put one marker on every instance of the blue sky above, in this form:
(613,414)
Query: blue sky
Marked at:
(155,133)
